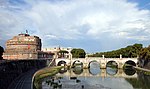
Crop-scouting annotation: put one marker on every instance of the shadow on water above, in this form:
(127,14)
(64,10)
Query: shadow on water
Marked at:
(129,71)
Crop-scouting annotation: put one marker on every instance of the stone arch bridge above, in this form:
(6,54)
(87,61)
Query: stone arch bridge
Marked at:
(101,60)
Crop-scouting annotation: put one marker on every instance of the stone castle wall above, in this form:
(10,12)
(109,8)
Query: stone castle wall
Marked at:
(22,46)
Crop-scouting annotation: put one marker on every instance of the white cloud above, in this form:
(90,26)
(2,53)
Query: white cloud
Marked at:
(140,38)
(76,19)
(51,37)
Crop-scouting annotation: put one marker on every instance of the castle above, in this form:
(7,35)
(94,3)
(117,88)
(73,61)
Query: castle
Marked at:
(23,47)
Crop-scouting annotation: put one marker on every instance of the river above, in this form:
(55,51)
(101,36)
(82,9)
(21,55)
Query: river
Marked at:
(96,78)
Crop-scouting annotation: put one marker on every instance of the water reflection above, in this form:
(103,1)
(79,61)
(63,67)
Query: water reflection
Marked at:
(129,71)
(77,63)
(141,82)
(111,71)
(78,70)
(94,68)
(63,70)
(79,78)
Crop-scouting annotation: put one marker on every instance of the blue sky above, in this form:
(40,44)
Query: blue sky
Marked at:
(94,25)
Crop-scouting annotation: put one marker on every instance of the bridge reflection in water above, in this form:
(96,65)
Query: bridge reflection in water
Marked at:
(109,72)
(96,78)
(79,78)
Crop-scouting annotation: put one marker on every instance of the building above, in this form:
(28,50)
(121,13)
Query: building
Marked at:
(59,51)
(23,47)
(56,49)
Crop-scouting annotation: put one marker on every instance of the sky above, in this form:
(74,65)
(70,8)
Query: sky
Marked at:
(93,25)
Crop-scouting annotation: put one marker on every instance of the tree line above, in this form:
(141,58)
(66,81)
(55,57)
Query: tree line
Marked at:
(130,51)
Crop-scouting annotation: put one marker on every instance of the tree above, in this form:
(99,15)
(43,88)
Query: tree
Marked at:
(144,57)
(1,52)
(78,53)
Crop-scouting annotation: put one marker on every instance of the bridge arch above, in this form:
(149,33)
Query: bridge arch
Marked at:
(130,62)
(77,62)
(93,61)
(112,62)
(128,70)
(61,62)
(95,68)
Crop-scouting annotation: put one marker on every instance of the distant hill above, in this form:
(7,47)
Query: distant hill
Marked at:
(130,51)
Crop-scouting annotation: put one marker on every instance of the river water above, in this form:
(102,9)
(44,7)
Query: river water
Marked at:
(96,78)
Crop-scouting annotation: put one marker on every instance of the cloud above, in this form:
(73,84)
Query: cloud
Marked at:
(51,37)
(75,20)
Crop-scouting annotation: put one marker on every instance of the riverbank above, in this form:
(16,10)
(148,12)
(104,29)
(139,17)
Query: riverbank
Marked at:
(45,72)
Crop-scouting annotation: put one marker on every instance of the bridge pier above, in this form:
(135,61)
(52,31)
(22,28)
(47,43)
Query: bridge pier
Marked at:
(120,66)
(103,73)
(85,65)
(103,66)
(103,63)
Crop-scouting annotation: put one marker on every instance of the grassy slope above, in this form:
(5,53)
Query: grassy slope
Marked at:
(45,72)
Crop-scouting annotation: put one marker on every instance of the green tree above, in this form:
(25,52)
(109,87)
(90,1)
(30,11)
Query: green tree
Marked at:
(144,57)
(78,53)
(129,51)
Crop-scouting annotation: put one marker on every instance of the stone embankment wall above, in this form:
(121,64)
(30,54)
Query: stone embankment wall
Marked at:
(9,70)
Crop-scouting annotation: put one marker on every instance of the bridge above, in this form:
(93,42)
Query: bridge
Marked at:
(103,62)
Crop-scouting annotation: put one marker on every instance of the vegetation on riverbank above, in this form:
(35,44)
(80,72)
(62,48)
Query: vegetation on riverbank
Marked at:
(39,75)
(144,58)
(129,51)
